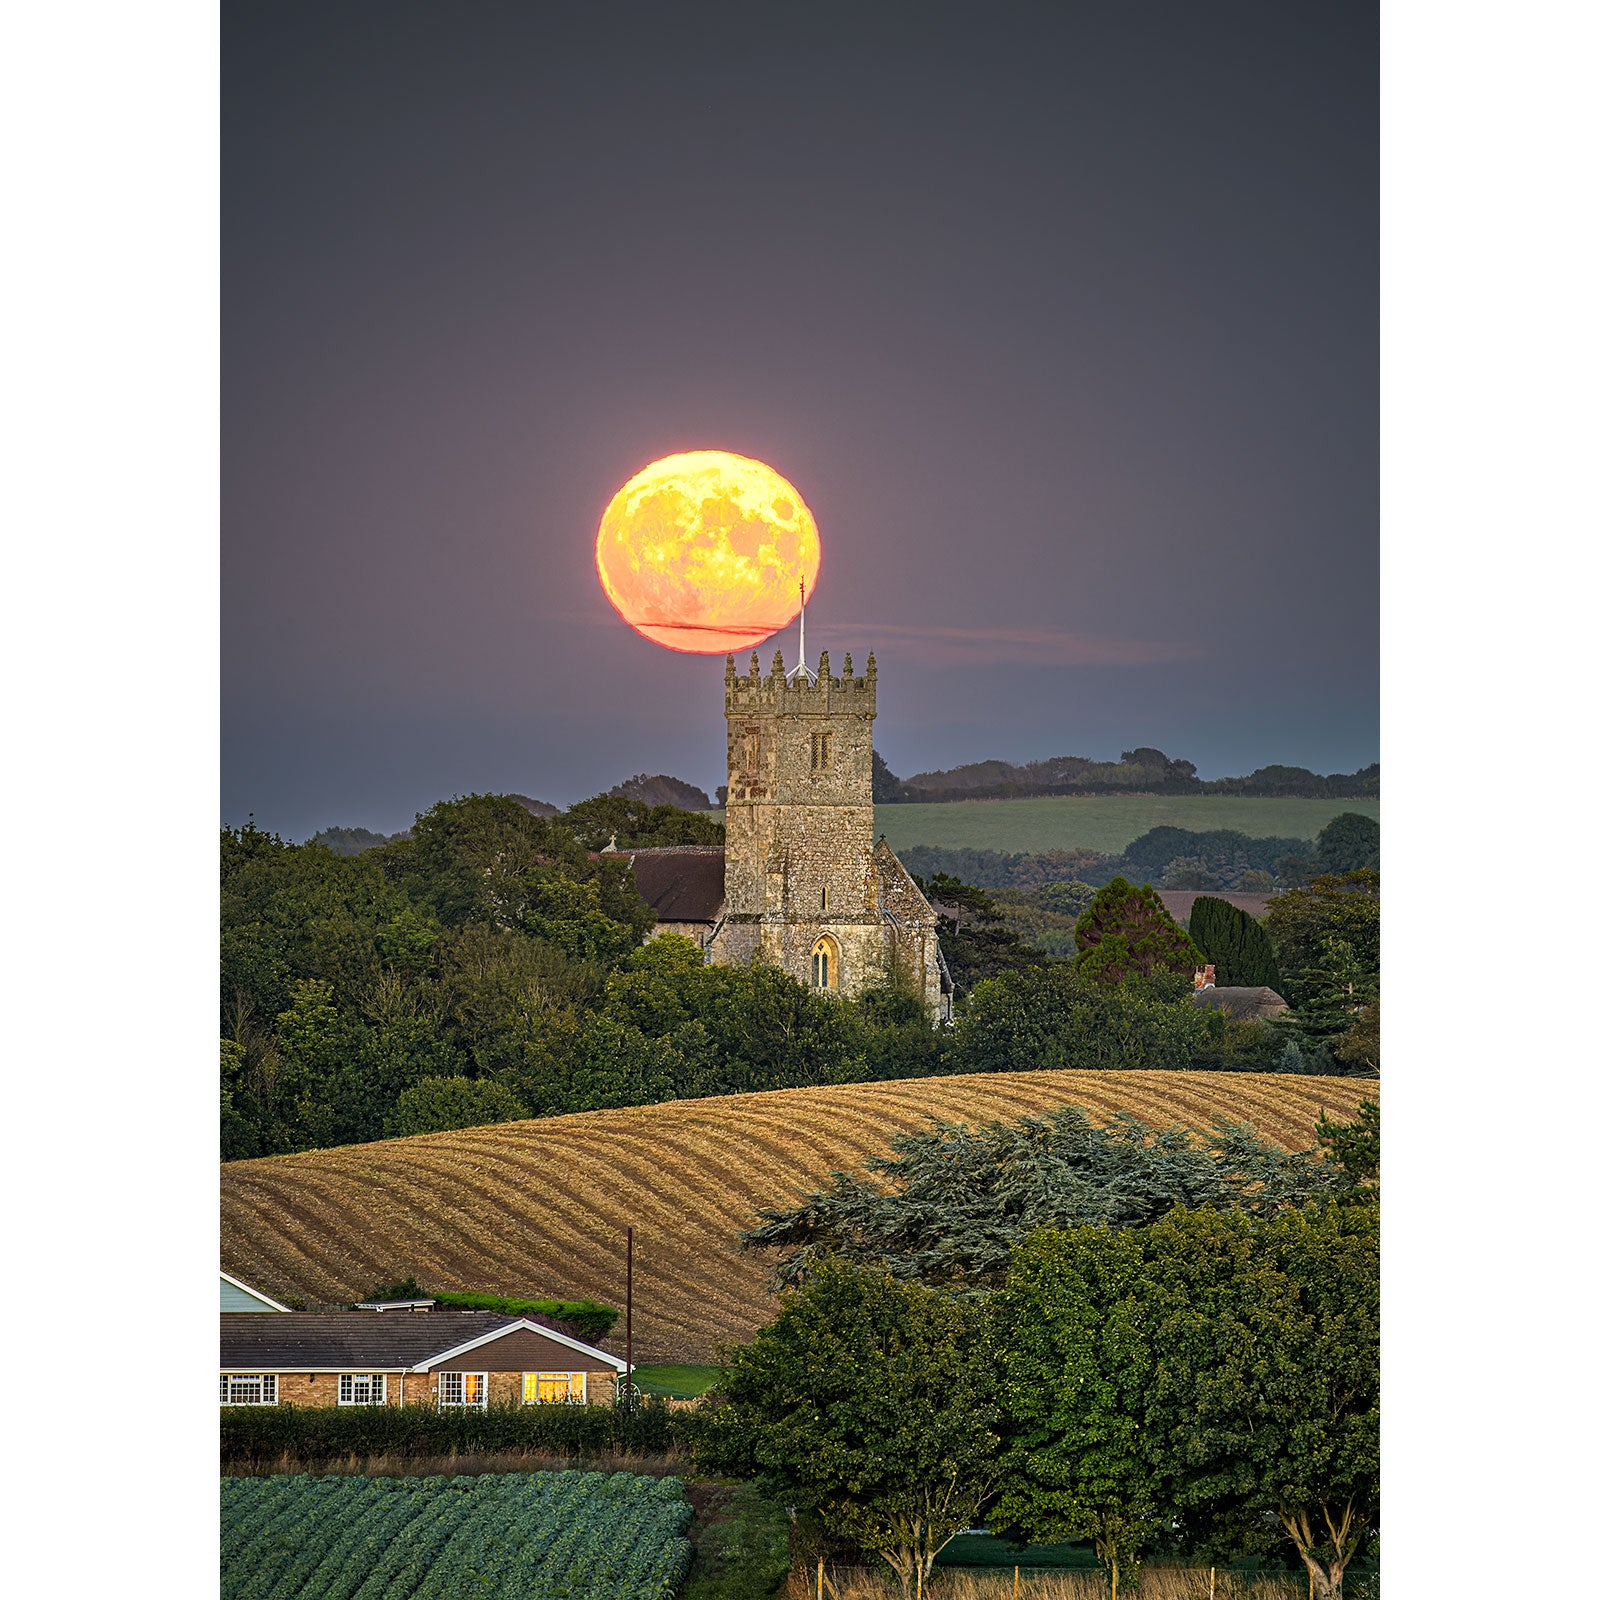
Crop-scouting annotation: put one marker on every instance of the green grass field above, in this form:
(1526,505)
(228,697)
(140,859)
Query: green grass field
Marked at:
(679,1382)
(1107,823)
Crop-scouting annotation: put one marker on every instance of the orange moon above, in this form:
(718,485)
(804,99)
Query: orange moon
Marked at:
(705,552)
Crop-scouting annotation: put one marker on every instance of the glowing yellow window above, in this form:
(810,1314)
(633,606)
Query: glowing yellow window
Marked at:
(825,964)
(553,1388)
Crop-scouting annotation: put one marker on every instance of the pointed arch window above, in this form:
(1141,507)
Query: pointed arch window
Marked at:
(825,964)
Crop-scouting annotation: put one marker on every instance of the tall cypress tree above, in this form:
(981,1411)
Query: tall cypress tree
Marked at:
(1234,942)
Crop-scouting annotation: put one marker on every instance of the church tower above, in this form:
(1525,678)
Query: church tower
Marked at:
(806,888)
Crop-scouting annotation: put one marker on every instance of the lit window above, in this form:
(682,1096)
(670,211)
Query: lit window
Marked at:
(249,1389)
(825,964)
(362,1388)
(464,1389)
(553,1388)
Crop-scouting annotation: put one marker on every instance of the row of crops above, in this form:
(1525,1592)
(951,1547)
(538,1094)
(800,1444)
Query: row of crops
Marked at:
(512,1536)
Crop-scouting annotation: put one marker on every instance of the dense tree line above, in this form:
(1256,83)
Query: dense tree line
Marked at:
(491,964)
(1141,771)
(1158,1343)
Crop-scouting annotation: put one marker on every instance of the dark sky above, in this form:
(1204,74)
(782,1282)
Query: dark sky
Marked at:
(1063,318)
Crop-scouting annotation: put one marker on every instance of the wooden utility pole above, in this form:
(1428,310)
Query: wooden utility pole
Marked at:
(629,1324)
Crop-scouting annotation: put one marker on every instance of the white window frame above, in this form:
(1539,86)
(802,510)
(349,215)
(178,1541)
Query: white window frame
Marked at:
(457,1381)
(578,1388)
(377,1386)
(268,1382)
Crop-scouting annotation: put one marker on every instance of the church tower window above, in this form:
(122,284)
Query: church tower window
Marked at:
(825,964)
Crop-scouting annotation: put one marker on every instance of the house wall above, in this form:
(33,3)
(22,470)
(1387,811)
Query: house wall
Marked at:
(236,1299)
(422,1388)
(505,1388)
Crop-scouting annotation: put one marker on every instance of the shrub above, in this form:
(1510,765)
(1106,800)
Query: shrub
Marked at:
(259,1434)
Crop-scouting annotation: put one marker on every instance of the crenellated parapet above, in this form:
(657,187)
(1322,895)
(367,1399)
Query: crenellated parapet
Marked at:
(752,694)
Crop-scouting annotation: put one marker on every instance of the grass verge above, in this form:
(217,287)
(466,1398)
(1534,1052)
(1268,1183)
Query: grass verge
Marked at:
(679,1383)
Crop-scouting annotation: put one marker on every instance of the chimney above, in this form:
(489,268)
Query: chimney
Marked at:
(1205,978)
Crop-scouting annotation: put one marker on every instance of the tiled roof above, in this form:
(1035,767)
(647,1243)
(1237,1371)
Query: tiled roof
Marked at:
(352,1341)
(680,883)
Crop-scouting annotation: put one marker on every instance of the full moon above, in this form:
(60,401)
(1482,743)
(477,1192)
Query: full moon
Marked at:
(706,551)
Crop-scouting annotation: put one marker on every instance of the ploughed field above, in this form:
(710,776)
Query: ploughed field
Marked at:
(1108,823)
(528,1535)
(538,1207)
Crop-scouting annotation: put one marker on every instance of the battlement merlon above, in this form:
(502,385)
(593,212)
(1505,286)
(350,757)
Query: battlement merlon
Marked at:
(751,693)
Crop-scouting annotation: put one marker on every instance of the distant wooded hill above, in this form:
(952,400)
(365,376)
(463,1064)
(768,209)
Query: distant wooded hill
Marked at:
(1141,771)
(639,821)
(660,790)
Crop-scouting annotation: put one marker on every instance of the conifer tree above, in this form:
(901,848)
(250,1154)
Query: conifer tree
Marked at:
(1234,943)
(1128,933)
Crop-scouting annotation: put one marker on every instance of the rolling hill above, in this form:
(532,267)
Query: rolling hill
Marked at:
(1107,823)
(538,1207)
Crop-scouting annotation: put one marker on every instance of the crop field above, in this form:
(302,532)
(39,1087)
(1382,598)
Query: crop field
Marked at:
(518,1536)
(1108,823)
(539,1206)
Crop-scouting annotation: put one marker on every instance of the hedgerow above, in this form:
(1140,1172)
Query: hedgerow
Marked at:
(255,1434)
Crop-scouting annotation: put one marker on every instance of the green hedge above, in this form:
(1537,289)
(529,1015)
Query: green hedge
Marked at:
(257,1434)
(588,1319)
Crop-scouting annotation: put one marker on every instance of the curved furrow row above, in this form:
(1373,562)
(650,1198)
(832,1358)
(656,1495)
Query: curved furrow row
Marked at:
(516,1222)
(296,1210)
(538,1206)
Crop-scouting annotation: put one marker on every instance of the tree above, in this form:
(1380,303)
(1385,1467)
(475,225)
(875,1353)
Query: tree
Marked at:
(1052,1016)
(1127,932)
(870,1403)
(438,1104)
(973,934)
(1214,1366)
(634,824)
(1072,1332)
(1189,872)
(1267,1391)
(946,1207)
(886,788)
(1348,844)
(1359,1046)
(1325,937)
(1234,942)
(1353,1148)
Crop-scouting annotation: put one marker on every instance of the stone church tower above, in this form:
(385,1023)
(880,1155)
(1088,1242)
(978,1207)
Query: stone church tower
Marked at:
(806,888)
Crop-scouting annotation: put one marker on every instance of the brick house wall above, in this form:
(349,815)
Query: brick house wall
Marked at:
(505,1360)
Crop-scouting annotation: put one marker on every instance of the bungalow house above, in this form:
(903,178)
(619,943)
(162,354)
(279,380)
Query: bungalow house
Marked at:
(418,1355)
